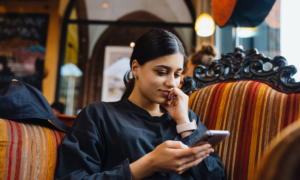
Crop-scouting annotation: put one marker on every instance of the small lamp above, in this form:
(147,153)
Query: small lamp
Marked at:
(205,25)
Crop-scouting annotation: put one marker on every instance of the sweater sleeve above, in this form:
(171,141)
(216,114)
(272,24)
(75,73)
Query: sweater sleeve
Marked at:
(81,154)
(211,168)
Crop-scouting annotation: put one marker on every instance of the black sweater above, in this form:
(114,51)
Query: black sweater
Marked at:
(106,137)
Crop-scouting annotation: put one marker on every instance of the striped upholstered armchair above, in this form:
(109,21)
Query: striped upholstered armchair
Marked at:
(27,151)
(250,95)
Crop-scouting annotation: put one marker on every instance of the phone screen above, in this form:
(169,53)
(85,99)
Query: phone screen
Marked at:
(212,137)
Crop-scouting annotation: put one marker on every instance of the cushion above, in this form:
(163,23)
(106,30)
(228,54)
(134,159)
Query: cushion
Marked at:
(27,151)
(253,112)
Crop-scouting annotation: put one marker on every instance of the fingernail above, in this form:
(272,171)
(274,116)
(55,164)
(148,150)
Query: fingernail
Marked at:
(208,145)
(185,146)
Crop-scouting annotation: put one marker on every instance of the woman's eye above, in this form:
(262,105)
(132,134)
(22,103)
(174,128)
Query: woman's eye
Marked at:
(161,73)
(177,75)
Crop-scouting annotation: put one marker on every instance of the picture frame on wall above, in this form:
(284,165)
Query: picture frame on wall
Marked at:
(116,63)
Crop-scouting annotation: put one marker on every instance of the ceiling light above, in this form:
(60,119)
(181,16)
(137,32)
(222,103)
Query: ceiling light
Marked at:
(205,25)
(132,44)
(105,5)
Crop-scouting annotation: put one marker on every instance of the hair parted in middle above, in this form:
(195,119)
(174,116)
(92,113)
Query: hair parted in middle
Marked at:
(151,45)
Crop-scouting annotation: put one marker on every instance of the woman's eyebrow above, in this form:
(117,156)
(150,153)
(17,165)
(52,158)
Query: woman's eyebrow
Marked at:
(167,67)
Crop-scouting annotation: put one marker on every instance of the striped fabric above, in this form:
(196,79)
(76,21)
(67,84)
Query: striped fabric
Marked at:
(253,112)
(27,151)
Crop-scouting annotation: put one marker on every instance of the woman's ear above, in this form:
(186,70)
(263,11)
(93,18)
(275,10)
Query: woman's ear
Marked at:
(134,68)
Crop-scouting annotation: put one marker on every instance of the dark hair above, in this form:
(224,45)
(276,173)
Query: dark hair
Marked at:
(151,45)
(204,56)
(58,106)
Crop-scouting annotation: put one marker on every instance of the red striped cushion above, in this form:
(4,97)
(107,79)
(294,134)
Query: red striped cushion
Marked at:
(253,112)
(27,151)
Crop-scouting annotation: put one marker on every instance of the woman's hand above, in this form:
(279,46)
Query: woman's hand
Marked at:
(169,157)
(175,157)
(178,108)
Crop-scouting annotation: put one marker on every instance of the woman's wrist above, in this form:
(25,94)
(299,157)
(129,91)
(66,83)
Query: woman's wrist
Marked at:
(142,168)
(189,130)
(182,121)
(186,133)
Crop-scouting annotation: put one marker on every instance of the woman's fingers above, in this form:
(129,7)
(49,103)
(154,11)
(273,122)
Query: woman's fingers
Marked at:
(176,157)
(187,162)
(193,163)
(178,92)
(194,150)
(170,98)
(175,145)
(171,94)
(202,154)
(173,97)
(175,92)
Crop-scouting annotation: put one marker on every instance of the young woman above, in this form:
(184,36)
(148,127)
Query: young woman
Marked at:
(136,137)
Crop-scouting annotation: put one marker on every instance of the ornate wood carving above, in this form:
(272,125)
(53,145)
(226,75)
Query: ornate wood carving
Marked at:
(245,65)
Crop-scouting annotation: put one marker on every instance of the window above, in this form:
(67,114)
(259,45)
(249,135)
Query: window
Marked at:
(276,35)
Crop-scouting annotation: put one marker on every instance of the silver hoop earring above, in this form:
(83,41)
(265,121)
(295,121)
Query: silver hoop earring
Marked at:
(135,77)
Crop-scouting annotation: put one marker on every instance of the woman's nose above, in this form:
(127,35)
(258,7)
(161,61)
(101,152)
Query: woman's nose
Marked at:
(171,82)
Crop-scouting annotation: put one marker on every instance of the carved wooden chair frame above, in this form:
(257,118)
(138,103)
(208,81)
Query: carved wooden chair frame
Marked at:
(241,65)
(244,65)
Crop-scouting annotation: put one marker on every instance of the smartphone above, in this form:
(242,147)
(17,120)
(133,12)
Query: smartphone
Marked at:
(213,137)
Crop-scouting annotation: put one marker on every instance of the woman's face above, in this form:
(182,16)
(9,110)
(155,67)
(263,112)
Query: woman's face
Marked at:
(158,77)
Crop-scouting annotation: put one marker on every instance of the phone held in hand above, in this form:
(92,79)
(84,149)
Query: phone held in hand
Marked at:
(213,137)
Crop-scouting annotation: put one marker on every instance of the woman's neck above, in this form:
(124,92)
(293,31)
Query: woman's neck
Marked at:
(138,99)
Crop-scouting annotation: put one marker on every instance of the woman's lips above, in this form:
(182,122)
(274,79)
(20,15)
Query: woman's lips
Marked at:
(166,93)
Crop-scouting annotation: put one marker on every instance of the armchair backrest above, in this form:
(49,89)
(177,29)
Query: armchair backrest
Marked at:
(253,110)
